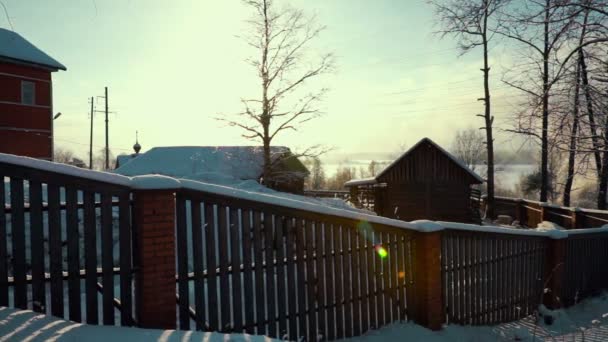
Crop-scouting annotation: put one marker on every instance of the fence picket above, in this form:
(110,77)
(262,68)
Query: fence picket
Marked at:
(182,262)
(291,279)
(210,243)
(311,280)
(90,257)
(259,274)
(107,259)
(301,271)
(3,251)
(235,275)
(37,246)
(18,232)
(282,290)
(55,255)
(222,229)
(248,272)
(198,264)
(73,242)
(269,249)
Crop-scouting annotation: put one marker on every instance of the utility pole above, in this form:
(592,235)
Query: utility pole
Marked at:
(106,112)
(107,138)
(91,139)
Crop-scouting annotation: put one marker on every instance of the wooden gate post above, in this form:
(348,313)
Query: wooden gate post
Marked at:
(154,221)
(429,310)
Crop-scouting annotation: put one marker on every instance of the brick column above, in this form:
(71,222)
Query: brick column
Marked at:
(154,219)
(429,310)
(554,273)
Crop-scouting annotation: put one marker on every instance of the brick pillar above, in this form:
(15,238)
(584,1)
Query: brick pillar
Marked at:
(155,280)
(429,310)
(554,273)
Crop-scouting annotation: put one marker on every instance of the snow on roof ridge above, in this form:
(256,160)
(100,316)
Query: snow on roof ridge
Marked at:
(448,154)
(15,47)
(361,181)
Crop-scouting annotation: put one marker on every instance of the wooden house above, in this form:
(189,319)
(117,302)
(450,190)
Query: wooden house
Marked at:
(426,182)
(26,101)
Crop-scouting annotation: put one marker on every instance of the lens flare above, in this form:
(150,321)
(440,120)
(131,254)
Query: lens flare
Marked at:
(382,252)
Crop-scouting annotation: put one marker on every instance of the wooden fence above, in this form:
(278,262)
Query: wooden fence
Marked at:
(57,230)
(491,278)
(287,273)
(531,213)
(250,263)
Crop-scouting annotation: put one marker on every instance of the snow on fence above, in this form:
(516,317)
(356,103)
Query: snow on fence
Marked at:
(268,265)
(531,213)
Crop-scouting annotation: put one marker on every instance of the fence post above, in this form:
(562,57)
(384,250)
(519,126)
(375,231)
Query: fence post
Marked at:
(154,217)
(577,218)
(554,273)
(429,310)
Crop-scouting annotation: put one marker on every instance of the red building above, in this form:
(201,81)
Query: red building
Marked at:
(26,97)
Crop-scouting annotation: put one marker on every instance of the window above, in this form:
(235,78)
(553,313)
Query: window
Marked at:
(28,93)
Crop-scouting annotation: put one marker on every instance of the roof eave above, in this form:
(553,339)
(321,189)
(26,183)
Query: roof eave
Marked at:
(51,68)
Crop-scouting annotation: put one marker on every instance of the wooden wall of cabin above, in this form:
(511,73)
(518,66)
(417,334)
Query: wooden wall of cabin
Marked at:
(439,201)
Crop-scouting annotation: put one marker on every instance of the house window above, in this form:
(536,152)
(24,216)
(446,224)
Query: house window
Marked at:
(28,93)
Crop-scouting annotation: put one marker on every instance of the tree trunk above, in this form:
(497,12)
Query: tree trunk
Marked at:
(488,119)
(573,137)
(544,163)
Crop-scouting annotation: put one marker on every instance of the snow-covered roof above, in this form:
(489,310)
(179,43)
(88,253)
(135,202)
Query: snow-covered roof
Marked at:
(362,181)
(203,162)
(16,48)
(449,155)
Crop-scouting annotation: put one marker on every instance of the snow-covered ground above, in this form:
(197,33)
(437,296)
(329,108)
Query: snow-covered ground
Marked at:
(25,325)
(586,321)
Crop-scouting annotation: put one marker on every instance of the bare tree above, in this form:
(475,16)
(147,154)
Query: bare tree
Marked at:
(468,20)
(281,37)
(468,146)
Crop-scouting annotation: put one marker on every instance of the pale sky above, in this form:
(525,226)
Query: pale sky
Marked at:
(173,66)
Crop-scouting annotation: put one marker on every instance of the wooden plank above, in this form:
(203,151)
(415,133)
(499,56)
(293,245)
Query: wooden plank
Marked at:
(320,283)
(182,262)
(500,279)
(18,232)
(374,322)
(475,282)
(311,281)
(198,264)
(291,279)
(269,249)
(125,259)
(301,272)
(222,229)
(3,243)
(210,243)
(458,302)
(282,290)
(55,255)
(386,275)
(330,276)
(258,258)
(363,272)
(248,272)
(90,257)
(339,281)
(485,281)
(37,245)
(73,240)
(354,283)
(394,276)
(107,259)
(236,248)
